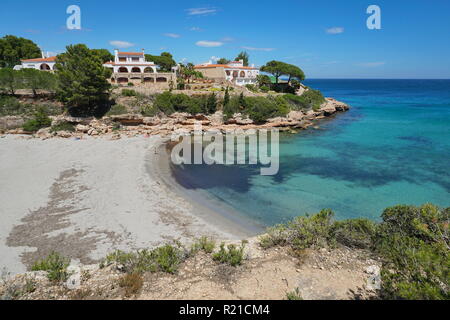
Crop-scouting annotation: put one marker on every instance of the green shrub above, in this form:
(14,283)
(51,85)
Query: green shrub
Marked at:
(264,89)
(259,109)
(128,93)
(10,106)
(294,295)
(232,255)
(355,233)
(203,244)
(302,232)
(414,244)
(40,120)
(55,265)
(117,109)
(149,111)
(251,87)
(169,103)
(310,99)
(130,84)
(63,126)
(164,259)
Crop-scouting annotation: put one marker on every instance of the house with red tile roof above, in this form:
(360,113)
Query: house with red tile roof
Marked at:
(131,67)
(44,63)
(234,72)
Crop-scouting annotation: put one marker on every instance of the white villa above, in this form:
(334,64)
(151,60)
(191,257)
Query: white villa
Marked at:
(44,63)
(131,67)
(234,72)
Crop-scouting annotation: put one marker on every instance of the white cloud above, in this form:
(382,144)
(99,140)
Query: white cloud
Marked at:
(195,29)
(172,35)
(335,30)
(371,64)
(209,44)
(201,11)
(257,49)
(214,58)
(121,44)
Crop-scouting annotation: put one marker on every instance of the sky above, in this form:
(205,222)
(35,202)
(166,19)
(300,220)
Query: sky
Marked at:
(326,38)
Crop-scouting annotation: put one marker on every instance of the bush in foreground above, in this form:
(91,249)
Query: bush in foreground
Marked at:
(203,244)
(162,259)
(413,243)
(55,265)
(232,254)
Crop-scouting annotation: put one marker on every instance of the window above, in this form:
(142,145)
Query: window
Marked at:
(135,59)
(123,59)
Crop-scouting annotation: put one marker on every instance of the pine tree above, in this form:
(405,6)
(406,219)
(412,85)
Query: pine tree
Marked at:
(83,85)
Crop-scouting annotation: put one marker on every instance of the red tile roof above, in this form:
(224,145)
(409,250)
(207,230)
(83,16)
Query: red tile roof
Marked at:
(131,53)
(206,66)
(49,59)
(125,64)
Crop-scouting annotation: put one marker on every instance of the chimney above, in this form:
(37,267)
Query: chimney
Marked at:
(143,52)
(241,61)
(116,55)
(43,54)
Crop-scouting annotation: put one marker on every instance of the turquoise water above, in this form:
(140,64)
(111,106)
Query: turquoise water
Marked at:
(392,147)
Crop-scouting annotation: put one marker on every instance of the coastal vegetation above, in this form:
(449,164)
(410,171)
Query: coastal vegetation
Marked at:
(413,243)
(13,80)
(55,265)
(39,120)
(13,49)
(259,109)
(165,61)
(232,254)
(82,81)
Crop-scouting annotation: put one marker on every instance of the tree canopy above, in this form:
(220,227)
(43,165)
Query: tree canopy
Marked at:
(278,69)
(103,54)
(83,85)
(165,61)
(243,56)
(13,49)
(223,61)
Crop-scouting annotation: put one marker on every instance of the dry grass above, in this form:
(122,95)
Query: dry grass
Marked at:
(132,284)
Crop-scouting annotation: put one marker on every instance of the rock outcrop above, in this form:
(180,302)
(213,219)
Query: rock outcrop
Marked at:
(128,125)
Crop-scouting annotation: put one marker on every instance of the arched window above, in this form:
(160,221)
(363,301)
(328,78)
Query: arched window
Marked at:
(123,70)
(148,70)
(161,80)
(235,74)
(228,72)
(242,75)
(149,80)
(122,80)
(45,67)
(136,70)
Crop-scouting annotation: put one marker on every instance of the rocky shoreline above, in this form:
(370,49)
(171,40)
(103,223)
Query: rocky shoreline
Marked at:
(130,125)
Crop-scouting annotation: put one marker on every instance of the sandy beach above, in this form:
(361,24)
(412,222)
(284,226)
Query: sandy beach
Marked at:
(86,198)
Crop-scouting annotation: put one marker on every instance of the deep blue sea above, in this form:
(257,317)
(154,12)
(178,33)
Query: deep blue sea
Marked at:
(392,147)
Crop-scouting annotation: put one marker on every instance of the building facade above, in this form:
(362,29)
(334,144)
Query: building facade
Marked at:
(131,67)
(234,72)
(44,63)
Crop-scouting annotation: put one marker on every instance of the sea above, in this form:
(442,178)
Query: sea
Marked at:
(392,147)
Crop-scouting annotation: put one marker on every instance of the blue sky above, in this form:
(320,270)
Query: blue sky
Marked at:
(327,39)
